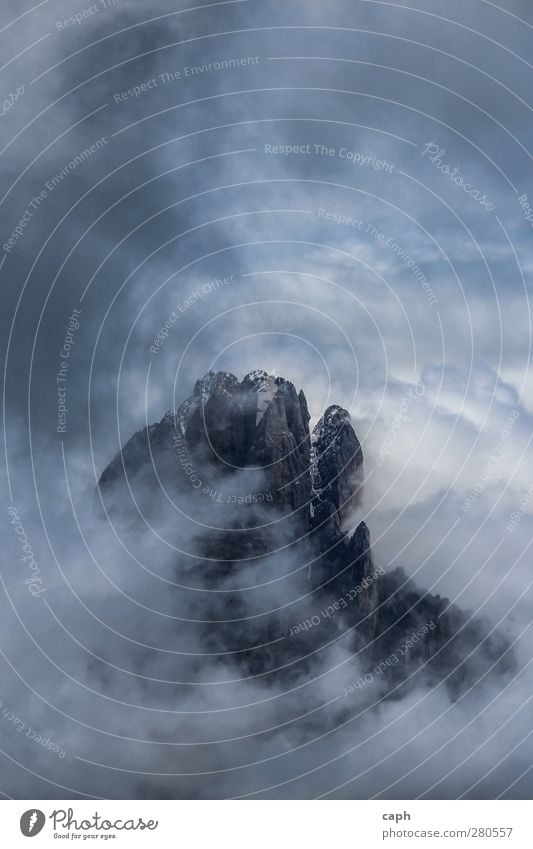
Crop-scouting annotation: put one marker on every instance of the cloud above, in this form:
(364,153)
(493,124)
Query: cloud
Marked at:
(184,194)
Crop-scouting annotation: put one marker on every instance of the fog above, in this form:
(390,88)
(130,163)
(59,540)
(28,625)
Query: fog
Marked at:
(292,213)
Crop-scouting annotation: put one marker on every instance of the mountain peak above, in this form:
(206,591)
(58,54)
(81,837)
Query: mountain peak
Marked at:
(239,456)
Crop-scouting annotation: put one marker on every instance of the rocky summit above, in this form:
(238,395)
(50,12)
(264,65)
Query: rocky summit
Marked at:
(237,461)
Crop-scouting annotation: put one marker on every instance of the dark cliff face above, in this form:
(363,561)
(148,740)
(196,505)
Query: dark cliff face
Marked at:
(240,456)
